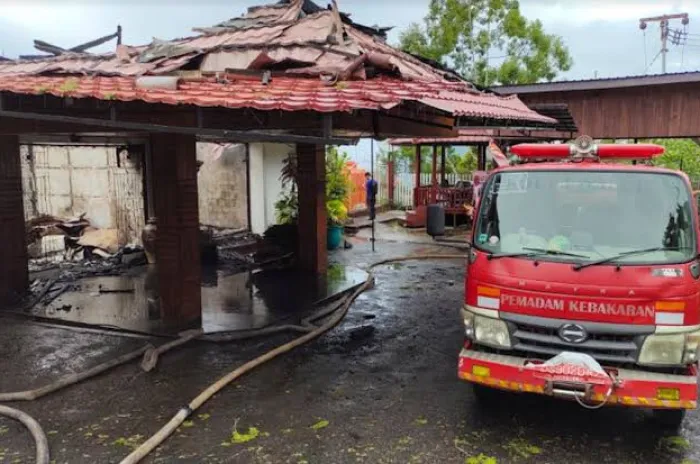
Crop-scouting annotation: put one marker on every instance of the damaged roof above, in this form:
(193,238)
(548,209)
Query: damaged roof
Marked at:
(282,93)
(292,55)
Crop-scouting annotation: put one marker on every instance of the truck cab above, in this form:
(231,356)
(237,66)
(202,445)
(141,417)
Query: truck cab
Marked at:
(582,280)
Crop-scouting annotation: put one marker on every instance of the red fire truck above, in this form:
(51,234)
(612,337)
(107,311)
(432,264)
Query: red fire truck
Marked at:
(582,279)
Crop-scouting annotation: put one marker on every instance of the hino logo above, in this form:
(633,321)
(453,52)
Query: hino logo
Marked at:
(573,333)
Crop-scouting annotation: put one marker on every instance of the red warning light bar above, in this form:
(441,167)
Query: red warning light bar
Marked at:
(542,150)
(629,151)
(576,151)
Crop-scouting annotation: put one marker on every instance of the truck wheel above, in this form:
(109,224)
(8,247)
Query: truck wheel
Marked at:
(669,419)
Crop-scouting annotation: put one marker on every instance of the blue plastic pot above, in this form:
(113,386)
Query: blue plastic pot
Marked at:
(335,237)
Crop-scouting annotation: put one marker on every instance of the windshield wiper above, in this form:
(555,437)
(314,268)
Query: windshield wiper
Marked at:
(553,252)
(578,267)
(530,252)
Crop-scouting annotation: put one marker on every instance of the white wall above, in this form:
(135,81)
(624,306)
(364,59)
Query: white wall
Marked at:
(266,162)
(223,199)
(275,154)
(67,181)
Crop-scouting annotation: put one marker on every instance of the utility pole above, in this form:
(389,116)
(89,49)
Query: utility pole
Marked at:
(663,22)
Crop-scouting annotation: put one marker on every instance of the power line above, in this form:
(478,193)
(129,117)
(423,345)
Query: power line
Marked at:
(678,36)
(683,55)
(653,61)
(664,22)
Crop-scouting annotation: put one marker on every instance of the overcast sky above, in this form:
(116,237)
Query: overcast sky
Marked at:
(603,35)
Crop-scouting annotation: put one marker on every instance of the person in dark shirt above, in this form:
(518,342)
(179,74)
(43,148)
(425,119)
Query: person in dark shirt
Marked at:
(371,190)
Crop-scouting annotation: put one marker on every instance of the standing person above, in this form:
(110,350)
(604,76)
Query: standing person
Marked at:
(371,191)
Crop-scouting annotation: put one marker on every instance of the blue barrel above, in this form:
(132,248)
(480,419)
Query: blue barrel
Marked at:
(335,237)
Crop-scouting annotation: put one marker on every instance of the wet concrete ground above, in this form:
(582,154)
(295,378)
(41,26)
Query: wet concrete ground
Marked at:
(382,395)
(239,301)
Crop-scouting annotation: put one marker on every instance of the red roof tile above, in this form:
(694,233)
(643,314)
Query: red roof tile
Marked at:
(284,36)
(282,93)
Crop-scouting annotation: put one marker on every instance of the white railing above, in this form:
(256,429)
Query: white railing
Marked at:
(404,182)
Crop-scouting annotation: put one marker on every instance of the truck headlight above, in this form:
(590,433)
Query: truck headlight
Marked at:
(692,345)
(492,332)
(671,350)
(468,324)
(663,350)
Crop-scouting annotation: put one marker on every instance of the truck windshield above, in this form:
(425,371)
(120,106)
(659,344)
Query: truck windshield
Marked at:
(585,216)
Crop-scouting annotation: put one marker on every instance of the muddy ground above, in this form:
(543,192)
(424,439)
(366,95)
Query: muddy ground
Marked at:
(388,394)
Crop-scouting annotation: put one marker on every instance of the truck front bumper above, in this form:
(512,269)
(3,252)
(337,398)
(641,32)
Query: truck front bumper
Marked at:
(635,388)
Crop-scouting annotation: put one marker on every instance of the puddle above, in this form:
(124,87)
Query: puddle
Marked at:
(229,301)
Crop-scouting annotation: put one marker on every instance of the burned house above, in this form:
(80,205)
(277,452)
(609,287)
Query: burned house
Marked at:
(281,79)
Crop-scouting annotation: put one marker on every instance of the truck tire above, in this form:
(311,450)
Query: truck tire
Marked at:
(669,419)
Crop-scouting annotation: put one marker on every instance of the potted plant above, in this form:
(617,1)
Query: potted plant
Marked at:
(337,214)
(337,190)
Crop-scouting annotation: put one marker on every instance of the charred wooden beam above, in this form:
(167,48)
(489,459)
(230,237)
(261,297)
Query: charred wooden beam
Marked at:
(94,43)
(48,48)
(55,50)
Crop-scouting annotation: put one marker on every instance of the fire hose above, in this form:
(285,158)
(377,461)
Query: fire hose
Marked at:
(150,354)
(42,444)
(159,437)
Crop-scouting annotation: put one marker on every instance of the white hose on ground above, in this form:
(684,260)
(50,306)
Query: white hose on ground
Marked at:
(42,444)
(30,395)
(150,356)
(156,440)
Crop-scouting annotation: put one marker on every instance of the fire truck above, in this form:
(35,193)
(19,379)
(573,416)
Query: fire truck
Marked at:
(582,280)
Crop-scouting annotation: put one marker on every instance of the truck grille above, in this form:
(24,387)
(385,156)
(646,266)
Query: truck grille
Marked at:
(540,339)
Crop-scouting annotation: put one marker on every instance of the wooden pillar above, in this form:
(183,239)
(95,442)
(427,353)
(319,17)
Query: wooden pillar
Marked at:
(14,273)
(481,157)
(416,169)
(174,162)
(433,179)
(442,164)
(313,228)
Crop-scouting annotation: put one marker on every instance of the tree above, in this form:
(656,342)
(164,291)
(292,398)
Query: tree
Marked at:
(468,34)
(465,163)
(455,163)
(683,154)
(404,157)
